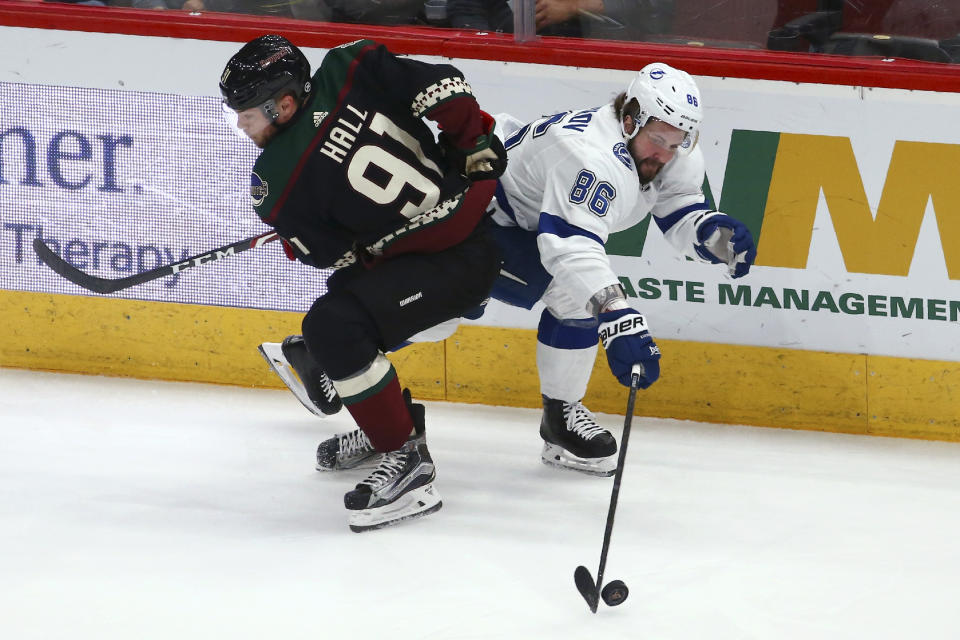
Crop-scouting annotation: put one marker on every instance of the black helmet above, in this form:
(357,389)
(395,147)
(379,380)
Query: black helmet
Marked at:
(263,69)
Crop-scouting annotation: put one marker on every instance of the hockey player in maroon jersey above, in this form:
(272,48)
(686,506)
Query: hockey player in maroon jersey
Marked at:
(353,178)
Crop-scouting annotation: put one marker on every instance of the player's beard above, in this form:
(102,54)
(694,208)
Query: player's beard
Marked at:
(648,169)
(265,135)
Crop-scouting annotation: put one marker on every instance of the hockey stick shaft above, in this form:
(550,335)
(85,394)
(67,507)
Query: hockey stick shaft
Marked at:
(111,285)
(621,459)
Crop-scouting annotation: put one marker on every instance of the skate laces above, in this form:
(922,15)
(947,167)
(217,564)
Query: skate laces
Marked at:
(353,443)
(326,386)
(581,421)
(391,464)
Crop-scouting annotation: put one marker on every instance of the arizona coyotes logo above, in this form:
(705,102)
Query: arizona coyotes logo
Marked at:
(259,189)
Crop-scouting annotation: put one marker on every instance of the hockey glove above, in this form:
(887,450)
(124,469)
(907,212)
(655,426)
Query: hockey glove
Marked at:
(627,341)
(487,160)
(726,240)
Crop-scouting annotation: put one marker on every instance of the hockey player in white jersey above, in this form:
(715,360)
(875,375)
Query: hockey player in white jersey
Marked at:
(573,179)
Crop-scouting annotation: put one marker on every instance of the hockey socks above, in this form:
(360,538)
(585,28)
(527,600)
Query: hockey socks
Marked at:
(566,351)
(374,400)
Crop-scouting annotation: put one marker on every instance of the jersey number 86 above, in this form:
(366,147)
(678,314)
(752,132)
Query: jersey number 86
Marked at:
(596,194)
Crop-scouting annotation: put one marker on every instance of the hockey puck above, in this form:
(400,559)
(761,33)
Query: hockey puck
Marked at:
(614,593)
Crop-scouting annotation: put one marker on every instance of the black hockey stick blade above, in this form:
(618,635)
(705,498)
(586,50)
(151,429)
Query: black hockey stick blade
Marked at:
(111,285)
(587,587)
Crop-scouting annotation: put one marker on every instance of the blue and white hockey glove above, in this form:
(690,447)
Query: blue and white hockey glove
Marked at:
(725,240)
(627,341)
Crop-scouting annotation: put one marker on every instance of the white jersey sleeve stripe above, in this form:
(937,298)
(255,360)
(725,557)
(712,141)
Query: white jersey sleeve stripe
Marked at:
(555,225)
(666,222)
(503,202)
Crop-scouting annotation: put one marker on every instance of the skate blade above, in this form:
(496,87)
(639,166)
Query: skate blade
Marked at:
(559,457)
(273,354)
(420,502)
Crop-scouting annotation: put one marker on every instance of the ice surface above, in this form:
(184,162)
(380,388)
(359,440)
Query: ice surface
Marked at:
(140,510)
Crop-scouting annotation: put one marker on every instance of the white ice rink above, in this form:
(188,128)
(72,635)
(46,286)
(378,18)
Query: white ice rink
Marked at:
(141,510)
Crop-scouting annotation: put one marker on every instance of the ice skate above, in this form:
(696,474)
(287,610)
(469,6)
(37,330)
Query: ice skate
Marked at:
(400,488)
(572,439)
(302,376)
(350,450)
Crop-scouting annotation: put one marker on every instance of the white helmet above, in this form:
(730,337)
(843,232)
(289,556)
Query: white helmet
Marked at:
(669,95)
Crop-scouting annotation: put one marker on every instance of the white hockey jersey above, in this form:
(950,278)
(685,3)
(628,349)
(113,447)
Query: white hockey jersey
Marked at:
(571,179)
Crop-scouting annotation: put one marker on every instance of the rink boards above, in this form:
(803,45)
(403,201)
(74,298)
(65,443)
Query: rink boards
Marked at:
(763,386)
(848,322)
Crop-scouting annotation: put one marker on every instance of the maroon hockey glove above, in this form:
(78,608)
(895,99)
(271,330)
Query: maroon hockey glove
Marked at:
(486,160)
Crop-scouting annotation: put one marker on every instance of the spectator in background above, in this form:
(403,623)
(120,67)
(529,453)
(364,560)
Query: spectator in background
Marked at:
(922,19)
(303,9)
(858,17)
(89,3)
(377,11)
(151,4)
(482,15)
(606,19)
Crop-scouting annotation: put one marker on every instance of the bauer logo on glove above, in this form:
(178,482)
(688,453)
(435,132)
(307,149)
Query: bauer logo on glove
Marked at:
(626,339)
(628,325)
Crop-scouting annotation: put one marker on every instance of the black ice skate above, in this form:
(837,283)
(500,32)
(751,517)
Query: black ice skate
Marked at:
(400,488)
(572,439)
(346,451)
(302,376)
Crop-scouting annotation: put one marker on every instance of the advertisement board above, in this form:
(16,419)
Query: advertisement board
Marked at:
(848,190)
(118,182)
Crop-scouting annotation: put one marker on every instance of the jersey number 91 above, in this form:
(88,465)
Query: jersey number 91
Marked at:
(400,173)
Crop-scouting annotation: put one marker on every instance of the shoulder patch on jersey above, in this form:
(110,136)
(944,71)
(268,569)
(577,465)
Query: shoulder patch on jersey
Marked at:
(656,74)
(620,151)
(259,189)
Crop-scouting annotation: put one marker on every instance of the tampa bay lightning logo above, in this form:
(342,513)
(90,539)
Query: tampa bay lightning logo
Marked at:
(656,74)
(259,189)
(620,151)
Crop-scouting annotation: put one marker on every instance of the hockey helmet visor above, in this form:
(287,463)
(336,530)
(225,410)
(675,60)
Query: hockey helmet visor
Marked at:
(250,123)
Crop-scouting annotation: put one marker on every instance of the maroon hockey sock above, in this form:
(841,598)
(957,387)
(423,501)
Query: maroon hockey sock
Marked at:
(383,417)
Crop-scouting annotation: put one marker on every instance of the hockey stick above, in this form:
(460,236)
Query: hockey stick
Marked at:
(616,591)
(110,285)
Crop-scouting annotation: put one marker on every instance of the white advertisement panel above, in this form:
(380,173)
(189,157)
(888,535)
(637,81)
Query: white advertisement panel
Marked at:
(851,194)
